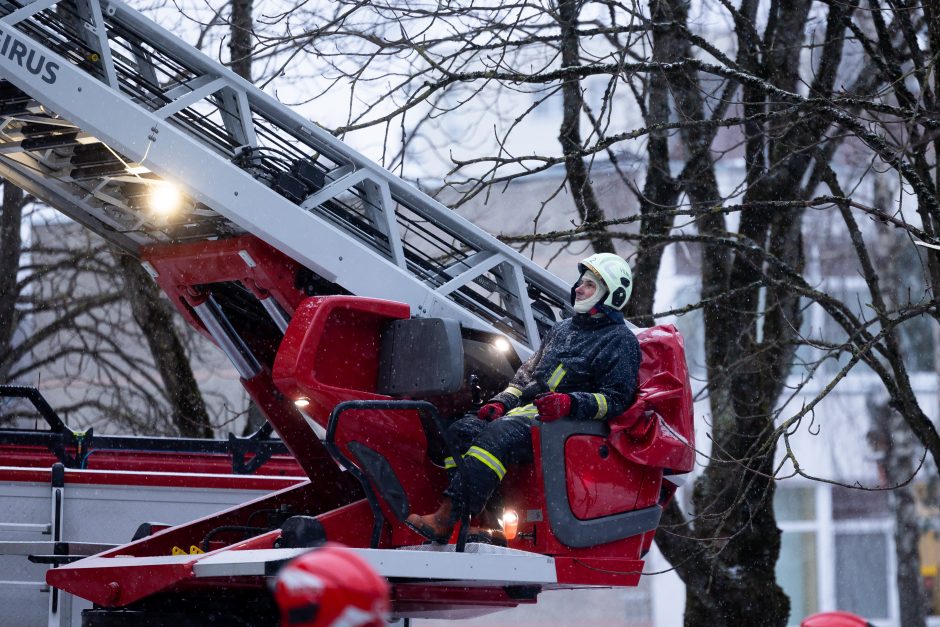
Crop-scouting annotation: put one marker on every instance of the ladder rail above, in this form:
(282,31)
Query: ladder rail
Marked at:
(364,228)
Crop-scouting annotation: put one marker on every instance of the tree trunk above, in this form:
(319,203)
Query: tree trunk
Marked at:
(733,581)
(899,466)
(239,44)
(155,318)
(893,441)
(660,189)
(11,247)
(579,182)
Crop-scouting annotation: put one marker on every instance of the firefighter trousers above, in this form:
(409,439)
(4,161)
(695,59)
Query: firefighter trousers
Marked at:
(487,449)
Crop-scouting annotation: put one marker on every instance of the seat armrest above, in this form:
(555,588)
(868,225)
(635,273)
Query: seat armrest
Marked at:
(569,529)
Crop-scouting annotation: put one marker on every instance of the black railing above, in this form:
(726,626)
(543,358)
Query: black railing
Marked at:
(430,416)
(60,439)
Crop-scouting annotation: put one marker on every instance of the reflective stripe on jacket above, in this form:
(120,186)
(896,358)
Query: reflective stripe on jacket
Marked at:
(595,359)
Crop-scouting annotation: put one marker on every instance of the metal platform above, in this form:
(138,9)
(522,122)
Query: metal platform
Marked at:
(480,564)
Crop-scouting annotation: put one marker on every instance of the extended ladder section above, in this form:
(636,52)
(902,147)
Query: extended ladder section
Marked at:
(101,107)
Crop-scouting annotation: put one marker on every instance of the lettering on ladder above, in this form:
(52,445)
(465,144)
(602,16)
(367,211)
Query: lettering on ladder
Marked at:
(15,50)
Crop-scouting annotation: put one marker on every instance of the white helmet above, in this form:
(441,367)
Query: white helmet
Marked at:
(616,275)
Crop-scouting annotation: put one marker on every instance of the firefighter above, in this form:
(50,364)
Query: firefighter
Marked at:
(331,587)
(586,368)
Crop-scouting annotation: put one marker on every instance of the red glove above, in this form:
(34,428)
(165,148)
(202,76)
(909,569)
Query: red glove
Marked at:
(491,411)
(553,406)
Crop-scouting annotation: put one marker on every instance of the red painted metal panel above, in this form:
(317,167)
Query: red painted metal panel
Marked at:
(110,583)
(154,479)
(601,483)
(96,578)
(182,266)
(523,491)
(350,525)
(199,463)
(331,346)
(594,571)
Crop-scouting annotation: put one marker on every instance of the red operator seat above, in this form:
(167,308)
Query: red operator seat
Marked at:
(595,488)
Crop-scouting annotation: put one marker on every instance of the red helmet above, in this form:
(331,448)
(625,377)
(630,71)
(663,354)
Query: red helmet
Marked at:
(835,619)
(331,586)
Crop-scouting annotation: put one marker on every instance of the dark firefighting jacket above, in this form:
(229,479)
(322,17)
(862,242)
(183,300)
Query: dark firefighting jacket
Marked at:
(594,359)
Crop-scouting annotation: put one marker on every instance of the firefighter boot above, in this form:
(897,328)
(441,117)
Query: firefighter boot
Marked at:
(485,535)
(437,526)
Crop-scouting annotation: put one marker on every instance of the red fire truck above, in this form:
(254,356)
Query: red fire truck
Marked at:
(361,316)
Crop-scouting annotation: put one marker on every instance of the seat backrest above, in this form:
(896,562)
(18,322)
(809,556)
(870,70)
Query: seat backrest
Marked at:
(420,357)
(658,429)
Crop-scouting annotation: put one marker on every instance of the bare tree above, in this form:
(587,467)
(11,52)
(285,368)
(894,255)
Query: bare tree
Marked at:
(64,324)
(91,325)
(155,318)
(11,248)
(811,96)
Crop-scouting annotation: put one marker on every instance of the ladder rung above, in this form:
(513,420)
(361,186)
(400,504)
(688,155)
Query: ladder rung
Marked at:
(39,585)
(25,527)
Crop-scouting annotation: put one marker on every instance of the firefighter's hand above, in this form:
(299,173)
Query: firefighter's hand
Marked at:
(491,411)
(553,406)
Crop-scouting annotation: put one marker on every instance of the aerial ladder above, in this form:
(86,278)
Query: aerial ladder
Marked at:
(360,313)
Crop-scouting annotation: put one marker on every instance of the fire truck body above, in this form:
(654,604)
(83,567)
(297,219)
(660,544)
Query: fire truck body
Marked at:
(46,515)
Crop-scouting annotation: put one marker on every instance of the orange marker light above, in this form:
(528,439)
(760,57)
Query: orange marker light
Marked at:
(510,523)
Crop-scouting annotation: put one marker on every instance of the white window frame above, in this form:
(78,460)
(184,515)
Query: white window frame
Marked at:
(825,529)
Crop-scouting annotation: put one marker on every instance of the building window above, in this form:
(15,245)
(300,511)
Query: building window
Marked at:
(796,573)
(862,574)
(837,551)
(795,504)
(852,504)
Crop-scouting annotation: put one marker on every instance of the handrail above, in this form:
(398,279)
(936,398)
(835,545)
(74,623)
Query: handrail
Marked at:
(423,407)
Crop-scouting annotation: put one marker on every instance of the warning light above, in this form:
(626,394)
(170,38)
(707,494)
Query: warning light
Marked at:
(510,523)
(165,198)
(502,344)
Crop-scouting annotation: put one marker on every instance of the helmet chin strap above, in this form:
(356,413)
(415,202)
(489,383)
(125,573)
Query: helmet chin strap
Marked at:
(586,305)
